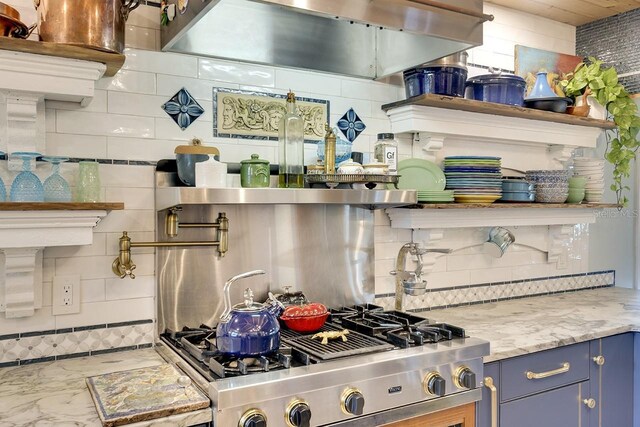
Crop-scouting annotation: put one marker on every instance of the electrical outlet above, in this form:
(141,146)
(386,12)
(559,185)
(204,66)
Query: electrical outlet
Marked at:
(66,295)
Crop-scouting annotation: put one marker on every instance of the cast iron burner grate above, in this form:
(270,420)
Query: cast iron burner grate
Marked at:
(356,344)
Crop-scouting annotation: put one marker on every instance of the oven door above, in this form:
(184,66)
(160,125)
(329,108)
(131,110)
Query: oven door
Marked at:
(455,410)
(460,416)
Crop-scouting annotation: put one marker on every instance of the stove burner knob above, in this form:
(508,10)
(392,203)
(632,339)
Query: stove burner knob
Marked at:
(352,401)
(253,418)
(298,414)
(434,384)
(464,377)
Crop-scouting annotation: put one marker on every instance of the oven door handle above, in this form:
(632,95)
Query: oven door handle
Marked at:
(488,383)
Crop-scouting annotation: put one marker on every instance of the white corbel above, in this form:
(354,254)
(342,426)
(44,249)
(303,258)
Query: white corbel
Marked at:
(561,154)
(426,145)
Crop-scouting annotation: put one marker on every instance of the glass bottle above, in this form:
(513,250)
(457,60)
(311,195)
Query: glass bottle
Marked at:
(291,144)
(88,182)
(386,151)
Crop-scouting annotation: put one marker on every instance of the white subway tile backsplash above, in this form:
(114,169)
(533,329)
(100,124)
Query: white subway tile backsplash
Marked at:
(308,82)
(127,176)
(140,287)
(140,148)
(113,239)
(140,38)
(108,312)
(161,62)
(92,290)
(133,198)
(364,89)
(70,145)
(104,124)
(167,129)
(199,89)
(129,81)
(233,72)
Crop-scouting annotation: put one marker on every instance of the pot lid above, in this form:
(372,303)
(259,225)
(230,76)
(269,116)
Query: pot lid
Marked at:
(458,60)
(9,12)
(196,147)
(496,78)
(255,159)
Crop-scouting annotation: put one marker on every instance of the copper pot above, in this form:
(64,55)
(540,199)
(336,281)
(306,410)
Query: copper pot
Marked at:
(98,24)
(10,24)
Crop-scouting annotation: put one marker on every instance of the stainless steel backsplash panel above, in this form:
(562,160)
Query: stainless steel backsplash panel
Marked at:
(325,251)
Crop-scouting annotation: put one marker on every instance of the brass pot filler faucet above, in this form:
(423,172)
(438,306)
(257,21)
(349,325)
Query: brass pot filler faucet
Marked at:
(123,265)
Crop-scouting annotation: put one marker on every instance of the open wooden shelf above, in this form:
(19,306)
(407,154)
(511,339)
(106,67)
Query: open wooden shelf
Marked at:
(514,206)
(113,61)
(61,206)
(453,103)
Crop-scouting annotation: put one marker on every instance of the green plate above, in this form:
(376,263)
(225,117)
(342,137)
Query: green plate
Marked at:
(421,175)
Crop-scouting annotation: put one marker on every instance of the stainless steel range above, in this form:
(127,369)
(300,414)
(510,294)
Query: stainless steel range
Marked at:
(393,366)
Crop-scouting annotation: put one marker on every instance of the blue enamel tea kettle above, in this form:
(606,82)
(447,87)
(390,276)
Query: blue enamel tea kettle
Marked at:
(248,329)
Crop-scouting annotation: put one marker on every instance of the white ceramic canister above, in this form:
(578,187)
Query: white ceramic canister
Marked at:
(211,174)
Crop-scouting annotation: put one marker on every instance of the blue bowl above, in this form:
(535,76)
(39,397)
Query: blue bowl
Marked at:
(518,196)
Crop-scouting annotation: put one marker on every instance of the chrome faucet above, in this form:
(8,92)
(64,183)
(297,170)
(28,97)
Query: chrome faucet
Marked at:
(407,281)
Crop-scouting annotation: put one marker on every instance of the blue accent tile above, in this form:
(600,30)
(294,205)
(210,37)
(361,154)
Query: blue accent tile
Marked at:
(149,345)
(130,323)
(9,337)
(36,333)
(113,350)
(72,355)
(38,360)
(64,331)
(183,108)
(88,328)
(351,125)
(8,364)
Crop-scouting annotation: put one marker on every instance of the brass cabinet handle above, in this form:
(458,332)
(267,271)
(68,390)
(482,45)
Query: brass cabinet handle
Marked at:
(599,360)
(538,376)
(488,383)
(591,403)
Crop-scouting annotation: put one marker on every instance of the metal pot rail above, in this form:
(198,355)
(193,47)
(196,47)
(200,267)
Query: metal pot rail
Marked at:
(123,265)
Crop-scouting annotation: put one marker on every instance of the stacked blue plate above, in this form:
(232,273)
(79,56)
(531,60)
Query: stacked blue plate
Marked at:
(474,179)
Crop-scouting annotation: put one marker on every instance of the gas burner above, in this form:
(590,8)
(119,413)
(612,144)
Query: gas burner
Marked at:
(225,367)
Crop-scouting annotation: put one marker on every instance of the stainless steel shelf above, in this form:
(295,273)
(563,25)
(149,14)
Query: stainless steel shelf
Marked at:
(167,197)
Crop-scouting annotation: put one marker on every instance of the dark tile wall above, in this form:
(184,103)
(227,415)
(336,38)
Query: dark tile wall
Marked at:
(616,41)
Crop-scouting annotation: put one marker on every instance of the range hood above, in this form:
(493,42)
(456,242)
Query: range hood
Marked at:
(361,38)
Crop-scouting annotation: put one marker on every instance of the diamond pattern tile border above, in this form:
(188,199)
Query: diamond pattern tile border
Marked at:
(500,291)
(42,346)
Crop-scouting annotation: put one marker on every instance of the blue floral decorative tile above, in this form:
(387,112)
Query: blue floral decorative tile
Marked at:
(183,108)
(351,125)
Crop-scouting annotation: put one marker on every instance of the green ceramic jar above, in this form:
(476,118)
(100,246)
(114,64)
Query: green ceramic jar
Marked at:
(254,172)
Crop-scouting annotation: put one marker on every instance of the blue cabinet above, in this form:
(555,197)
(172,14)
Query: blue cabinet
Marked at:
(590,384)
(612,382)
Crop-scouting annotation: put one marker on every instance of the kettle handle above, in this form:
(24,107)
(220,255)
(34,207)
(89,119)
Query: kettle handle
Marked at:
(227,287)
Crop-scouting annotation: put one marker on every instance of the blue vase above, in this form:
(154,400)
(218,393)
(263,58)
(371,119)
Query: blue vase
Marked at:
(26,186)
(541,88)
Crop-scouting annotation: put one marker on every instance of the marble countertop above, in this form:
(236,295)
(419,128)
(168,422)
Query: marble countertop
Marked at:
(527,325)
(55,393)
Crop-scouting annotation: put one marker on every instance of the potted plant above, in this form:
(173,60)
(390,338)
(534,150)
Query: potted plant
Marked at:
(606,90)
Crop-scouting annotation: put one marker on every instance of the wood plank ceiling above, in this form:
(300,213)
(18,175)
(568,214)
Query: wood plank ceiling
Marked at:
(573,12)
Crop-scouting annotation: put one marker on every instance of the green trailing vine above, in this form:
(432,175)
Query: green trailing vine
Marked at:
(622,143)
